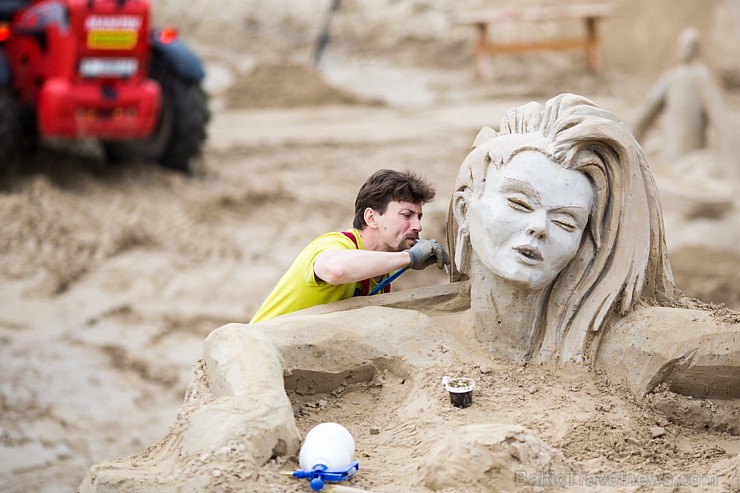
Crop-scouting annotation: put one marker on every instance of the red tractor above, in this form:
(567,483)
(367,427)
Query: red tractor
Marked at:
(73,69)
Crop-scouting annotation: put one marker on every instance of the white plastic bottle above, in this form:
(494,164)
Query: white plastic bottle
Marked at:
(329,445)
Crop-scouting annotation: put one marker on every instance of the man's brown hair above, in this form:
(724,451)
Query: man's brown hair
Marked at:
(387,185)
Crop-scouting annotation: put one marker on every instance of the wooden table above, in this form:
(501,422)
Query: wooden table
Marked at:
(590,41)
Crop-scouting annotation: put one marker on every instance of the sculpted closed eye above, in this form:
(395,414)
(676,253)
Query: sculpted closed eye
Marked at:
(570,220)
(566,225)
(518,204)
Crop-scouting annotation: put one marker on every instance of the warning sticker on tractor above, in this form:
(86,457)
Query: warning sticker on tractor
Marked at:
(112,39)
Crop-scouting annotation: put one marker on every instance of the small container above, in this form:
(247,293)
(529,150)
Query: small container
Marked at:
(460,389)
(329,446)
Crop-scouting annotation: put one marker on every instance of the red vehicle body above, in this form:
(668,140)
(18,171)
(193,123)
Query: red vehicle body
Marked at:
(73,69)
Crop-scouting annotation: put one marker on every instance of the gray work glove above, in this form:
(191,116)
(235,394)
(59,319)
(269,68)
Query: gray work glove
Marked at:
(427,252)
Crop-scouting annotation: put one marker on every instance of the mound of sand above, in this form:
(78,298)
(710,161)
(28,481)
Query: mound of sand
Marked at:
(285,86)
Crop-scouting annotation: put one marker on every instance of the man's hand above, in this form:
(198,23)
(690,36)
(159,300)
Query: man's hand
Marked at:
(427,252)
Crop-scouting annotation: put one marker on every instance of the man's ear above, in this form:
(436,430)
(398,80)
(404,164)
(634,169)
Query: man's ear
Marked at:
(369,216)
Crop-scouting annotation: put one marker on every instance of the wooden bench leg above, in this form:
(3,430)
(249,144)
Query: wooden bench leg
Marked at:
(482,56)
(593,46)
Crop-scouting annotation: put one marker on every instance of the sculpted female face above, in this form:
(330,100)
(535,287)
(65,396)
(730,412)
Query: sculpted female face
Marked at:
(528,223)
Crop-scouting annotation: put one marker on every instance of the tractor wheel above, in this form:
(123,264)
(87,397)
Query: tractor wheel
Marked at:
(11,130)
(180,130)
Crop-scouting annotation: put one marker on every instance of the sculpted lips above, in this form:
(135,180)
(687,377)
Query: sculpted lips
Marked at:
(530,255)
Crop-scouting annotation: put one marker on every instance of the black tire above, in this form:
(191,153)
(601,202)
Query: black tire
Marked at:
(180,130)
(11,131)
(190,116)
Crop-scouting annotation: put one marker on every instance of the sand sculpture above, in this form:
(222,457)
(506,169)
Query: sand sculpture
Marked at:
(559,256)
(691,102)
(696,143)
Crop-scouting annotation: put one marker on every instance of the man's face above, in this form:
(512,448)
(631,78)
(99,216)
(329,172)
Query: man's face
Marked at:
(529,221)
(399,226)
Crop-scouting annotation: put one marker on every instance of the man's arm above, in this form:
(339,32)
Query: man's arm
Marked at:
(346,266)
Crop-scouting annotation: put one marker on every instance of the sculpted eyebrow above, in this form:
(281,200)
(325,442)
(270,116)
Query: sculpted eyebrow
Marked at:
(516,185)
(569,208)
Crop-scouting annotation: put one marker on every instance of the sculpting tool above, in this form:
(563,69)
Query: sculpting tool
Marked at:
(385,282)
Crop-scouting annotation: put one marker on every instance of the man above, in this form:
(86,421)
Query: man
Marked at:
(385,238)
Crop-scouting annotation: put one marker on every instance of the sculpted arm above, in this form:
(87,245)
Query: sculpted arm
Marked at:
(716,111)
(237,358)
(244,372)
(692,350)
(651,108)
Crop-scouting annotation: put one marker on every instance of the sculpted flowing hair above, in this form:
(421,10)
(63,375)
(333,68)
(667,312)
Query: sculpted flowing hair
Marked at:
(622,257)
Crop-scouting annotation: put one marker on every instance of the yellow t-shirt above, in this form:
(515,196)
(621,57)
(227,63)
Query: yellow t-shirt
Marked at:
(299,288)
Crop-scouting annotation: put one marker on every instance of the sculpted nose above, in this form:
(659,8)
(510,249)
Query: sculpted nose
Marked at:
(537,226)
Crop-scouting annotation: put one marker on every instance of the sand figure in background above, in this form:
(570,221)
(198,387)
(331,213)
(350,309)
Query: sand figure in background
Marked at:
(690,101)
(556,224)
(696,137)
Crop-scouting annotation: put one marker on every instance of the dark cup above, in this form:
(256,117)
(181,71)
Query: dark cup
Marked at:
(460,390)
